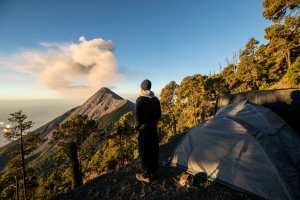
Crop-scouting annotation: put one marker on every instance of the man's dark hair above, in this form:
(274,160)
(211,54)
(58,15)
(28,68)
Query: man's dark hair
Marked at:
(146,84)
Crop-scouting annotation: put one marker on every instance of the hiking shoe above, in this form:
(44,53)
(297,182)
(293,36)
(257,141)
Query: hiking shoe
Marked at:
(142,178)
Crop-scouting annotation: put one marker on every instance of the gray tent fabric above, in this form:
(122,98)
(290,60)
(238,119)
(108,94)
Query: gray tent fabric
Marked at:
(284,102)
(245,146)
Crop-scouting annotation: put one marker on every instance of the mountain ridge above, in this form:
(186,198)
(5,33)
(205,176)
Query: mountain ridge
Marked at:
(100,104)
(103,102)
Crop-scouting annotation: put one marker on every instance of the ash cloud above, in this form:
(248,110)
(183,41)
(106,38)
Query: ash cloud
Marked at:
(73,69)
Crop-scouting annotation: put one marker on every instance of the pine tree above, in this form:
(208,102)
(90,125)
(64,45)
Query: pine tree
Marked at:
(275,10)
(71,134)
(167,101)
(124,131)
(20,125)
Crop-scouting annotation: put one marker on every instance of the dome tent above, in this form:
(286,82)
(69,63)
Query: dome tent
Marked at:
(245,146)
(283,102)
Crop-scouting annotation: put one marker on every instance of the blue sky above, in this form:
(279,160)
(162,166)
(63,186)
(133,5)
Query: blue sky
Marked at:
(160,40)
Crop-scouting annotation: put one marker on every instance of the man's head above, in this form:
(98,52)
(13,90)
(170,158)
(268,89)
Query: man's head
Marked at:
(146,85)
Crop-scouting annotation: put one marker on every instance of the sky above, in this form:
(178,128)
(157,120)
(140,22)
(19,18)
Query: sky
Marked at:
(69,49)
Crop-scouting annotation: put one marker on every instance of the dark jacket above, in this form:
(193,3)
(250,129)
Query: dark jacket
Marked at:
(148,111)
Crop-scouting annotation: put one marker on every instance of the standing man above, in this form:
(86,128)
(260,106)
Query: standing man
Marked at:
(148,113)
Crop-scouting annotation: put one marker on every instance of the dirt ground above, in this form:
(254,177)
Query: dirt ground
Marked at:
(123,185)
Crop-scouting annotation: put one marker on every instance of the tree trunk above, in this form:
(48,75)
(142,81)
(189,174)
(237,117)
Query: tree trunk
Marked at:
(174,124)
(23,166)
(194,112)
(288,58)
(120,146)
(17,188)
(76,172)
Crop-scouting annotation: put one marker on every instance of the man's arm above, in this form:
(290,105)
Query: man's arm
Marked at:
(138,113)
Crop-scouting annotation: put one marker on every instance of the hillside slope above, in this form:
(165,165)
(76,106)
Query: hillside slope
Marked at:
(104,103)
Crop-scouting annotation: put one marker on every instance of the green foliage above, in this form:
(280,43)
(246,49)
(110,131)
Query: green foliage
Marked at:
(167,97)
(260,66)
(55,159)
(91,144)
(293,74)
(105,158)
(19,125)
(282,49)
(166,127)
(53,184)
(12,174)
(126,140)
(277,9)
(109,156)
(190,102)
(75,130)
(107,121)
(100,151)
(215,85)
(7,179)
(167,101)
(249,73)
(32,141)
(71,135)
(120,147)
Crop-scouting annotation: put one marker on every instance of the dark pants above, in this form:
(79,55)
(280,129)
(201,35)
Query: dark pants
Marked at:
(148,149)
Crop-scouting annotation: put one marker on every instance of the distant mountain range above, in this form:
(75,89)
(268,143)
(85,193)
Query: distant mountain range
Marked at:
(39,111)
(104,105)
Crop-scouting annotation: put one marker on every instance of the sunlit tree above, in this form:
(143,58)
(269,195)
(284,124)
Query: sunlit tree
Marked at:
(124,132)
(276,9)
(167,101)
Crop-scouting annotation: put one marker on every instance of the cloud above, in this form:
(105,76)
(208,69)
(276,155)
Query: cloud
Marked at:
(72,69)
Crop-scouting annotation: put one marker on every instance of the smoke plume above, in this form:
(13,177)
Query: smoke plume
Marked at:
(72,69)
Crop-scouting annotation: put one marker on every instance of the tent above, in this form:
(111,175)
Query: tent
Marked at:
(247,147)
(283,102)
